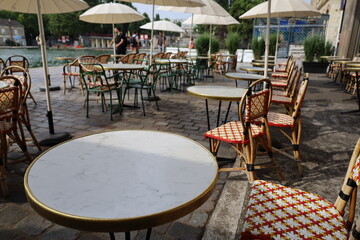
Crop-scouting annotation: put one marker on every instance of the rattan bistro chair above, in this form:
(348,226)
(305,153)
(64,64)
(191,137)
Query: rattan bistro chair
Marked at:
(243,134)
(96,81)
(290,121)
(275,211)
(25,81)
(10,104)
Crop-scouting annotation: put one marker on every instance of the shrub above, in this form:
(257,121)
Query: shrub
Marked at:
(258,47)
(315,46)
(232,42)
(272,46)
(202,44)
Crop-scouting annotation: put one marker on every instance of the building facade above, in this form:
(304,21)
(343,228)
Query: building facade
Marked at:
(11,31)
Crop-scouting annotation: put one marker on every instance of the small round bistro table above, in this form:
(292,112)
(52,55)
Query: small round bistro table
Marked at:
(237,76)
(122,66)
(175,61)
(121,181)
(217,93)
(66,59)
(255,69)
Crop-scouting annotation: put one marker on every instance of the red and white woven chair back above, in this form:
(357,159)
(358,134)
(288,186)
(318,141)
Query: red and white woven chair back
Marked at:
(300,96)
(10,99)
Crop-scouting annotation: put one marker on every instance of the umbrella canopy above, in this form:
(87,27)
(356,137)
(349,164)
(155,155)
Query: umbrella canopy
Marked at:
(111,13)
(46,6)
(41,7)
(211,20)
(178,3)
(163,26)
(282,8)
(279,8)
(211,8)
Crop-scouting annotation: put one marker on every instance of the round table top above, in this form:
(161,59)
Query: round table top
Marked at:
(262,61)
(220,93)
(122,66)
(254,69)
(65,58)
(273,57)
(262,64)
(352,69)
(243,76)
(121,181)
(338,59)
(343,61)
(326,57)
(159,60)
(353,64)
(3,84)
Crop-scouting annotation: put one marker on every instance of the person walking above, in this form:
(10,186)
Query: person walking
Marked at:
(120,43)
(162,42)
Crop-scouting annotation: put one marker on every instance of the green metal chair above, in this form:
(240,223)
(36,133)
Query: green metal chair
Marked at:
(96,81)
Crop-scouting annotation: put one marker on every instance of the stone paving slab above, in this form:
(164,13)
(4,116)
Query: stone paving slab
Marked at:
(328,140)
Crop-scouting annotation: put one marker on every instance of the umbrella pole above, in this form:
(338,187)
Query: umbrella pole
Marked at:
(152,32)
(114,37)
(191,28)
(267,40)
(277,42)
(210,42)
(54,138)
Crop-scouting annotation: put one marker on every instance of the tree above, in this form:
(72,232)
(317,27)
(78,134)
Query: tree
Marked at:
(239,7)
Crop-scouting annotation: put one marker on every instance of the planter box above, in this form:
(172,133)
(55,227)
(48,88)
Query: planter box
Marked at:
(315,67)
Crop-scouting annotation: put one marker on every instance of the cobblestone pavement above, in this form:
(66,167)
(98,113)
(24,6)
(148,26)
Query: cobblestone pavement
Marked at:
(327,143)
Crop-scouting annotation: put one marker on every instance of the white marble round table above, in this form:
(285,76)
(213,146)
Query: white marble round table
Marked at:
(121,181)
(177,61)
(122,66)
(220,93)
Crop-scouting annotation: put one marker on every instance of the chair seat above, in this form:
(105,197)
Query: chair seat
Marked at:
(279,83)
(279,93)
(232,132)
(279,75)
(280,212)
(278,120)
(71,74)
(281,99)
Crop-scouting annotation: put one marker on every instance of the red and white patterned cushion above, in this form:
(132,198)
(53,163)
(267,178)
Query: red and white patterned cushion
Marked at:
(277,120)
(279,75)
(356,171)
(278,93)
(281,212)
(280,99)
(279,83)
(232,132)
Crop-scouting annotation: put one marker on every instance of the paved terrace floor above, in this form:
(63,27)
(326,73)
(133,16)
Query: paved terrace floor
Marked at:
(327,143)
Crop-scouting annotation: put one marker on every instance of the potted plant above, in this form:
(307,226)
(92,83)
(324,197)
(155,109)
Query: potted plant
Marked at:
(315,46)
(258,47)
(202,44)
(232,42)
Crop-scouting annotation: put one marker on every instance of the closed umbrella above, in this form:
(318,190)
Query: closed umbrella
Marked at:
(211,8)
(41,7)
(211,20)
(281,8)
(178,3)
(111,13)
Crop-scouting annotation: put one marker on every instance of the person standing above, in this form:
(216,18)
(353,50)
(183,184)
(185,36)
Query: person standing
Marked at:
(135,42)
(162,42)
(120,42)
(191,44)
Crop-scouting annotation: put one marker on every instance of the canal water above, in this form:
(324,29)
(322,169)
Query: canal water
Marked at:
(34,54)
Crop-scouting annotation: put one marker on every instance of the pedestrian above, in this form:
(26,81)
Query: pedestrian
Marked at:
(162,42)
(191,44)
(120,43)
(135,42)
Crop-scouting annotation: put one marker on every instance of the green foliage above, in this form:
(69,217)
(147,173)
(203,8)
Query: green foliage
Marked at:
(245,28)
(202,44)
(232,42)
(258,47)
(315,46)
(272,47)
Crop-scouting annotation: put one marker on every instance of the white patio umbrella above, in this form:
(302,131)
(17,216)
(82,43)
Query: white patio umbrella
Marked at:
(211,20)
(211,8)
(41,7)
(163,25)
(111,13)
(281,8)
(178,3)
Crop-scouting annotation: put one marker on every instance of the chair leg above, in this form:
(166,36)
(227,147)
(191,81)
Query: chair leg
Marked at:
(156,101)
(296,136)
(249,161)
(65,79)
(25,119)
(21,141)
(32,97)
(87,104)
(142,101)
(265,143)
(3,149)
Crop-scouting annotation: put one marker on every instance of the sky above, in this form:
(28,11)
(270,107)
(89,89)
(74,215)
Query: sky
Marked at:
(164,14)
